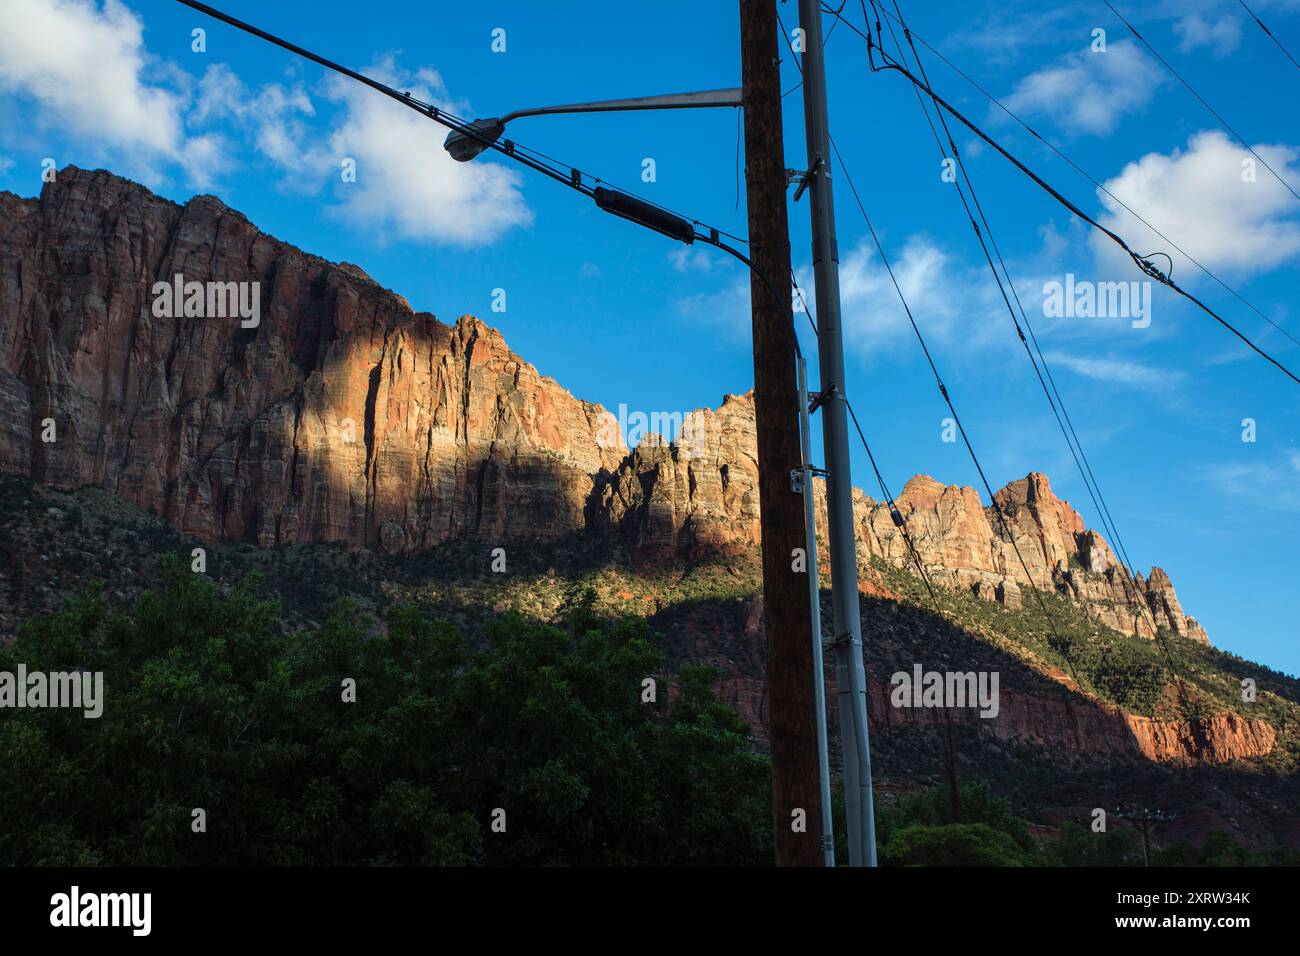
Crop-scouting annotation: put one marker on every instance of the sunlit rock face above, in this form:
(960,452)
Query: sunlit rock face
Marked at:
(341,415)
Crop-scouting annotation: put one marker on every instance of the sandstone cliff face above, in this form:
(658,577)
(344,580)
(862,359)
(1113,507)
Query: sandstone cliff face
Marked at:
(344,416)
(1080,725)
(964,544)
(696,495)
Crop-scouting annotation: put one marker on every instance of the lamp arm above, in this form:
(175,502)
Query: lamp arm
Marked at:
(703,98)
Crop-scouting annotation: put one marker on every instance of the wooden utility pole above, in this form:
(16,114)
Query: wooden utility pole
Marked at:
(786,602)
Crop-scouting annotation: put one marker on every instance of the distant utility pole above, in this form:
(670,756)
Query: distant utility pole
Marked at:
(850,675)
(796,797)
(1146,817)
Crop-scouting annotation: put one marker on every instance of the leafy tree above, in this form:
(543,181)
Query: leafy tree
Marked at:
(935,808)
(209,704)
(1220,849)
(953,844)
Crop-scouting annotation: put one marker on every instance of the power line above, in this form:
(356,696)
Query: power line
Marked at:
(1179,77)
(1077,168)
(1080,457)
(895,514)
(1143,262)
(535,159)
(1270,34)
(825,40)
(1085,468)
(563,173)
(943,391)
(918,84)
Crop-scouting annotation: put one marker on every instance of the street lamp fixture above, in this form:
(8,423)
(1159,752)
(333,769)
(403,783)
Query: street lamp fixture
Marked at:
(464,145)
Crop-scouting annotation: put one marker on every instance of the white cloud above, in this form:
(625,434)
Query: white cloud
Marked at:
(1197,197)
(692,259)
(1089,92)
(1011,28)
(727,309)
(273,116)
(947,299)
(407,184)
(1220,37)
(1118,371)
(1270,484)
(85,67)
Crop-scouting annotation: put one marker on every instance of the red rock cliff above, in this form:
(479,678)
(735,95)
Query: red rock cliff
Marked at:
(344,416)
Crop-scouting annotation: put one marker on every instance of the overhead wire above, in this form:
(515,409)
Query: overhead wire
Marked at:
(1060,642)
(1065,423)
(1083,173)
(895,514)
(1143,262)
(564,173)
(1200,99)
(1269,33)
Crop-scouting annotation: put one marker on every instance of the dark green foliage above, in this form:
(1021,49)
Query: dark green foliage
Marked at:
(931,829)
(208,704)
(953,844)
(1220,849)
(1080,846)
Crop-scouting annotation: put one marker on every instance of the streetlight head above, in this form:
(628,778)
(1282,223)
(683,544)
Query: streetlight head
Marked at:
(464,146)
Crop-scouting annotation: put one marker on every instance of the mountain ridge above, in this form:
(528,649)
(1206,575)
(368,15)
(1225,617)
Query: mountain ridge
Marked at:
(347,417)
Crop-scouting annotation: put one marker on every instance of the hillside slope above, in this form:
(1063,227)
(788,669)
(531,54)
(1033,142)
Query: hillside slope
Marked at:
(348,446)
(1101,727)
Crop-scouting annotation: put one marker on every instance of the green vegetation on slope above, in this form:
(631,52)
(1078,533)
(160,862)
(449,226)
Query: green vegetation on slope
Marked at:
(209,705)
(51,542)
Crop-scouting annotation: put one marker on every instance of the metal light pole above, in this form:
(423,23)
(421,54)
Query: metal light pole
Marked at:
(850,675)
(815,617)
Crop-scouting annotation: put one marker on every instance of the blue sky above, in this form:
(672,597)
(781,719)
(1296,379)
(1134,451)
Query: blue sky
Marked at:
(619,315)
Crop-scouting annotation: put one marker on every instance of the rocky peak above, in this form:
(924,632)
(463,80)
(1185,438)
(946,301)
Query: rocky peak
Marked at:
(922,492)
